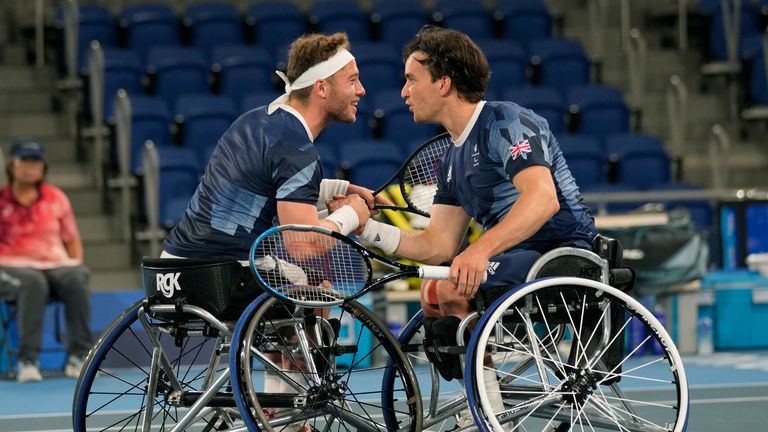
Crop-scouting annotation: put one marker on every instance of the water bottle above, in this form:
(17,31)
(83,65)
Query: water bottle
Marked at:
(704,344)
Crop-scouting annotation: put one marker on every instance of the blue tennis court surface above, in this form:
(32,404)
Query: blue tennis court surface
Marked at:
(729,392)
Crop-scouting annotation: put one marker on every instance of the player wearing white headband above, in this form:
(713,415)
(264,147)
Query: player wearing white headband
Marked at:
(266,170)
(265,166)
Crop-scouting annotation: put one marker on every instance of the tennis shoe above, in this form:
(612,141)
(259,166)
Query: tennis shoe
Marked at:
(28,372)
(74,366)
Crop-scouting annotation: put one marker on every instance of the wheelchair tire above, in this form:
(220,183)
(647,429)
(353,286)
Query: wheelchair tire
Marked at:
(111,392)
(449,399)
(343,394)
(569,385)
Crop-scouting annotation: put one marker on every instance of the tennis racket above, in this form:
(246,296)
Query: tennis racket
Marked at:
(315,267)
(417,177)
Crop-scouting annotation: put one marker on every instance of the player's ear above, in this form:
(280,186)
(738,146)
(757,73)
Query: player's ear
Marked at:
(445,85)
(321,87)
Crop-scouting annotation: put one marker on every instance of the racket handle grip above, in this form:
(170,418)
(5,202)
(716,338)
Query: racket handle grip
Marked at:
(439,273)
(435,272)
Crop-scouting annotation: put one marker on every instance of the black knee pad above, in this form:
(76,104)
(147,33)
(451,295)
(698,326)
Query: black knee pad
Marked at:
(441,332)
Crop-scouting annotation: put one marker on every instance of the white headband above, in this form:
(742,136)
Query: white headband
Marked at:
(322,70)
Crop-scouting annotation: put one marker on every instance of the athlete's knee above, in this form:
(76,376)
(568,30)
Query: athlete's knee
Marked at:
(429,300)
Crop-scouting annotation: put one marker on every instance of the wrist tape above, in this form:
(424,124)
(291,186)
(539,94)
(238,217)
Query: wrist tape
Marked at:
(329,188)
(384,236)
(345,218)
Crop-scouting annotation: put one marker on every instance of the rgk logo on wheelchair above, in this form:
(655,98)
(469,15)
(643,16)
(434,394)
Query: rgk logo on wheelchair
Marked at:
(168,283)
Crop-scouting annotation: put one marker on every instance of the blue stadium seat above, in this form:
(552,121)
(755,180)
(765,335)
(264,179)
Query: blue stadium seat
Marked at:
(95,23)
(559,63)
(508,62)
(524,20)
(380,65)
(176,70)
(275,23)
(398,20)
(371,162)
(329,159)
(395,121)
(597,110)
(468,16)
(749,24)
(149,24)
(544,101)
(241,69)
(330,16)
(640,159)
(213,24)
(257,99)
(150,120)
(122,70)
(756,83)
(202,119)
(179,177)
(585,158)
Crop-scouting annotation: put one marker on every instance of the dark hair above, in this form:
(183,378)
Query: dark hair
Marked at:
(452,53)
(309,50)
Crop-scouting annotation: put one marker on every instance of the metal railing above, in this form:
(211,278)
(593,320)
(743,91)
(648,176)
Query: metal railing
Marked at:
(637,60)
(719,160)
(125,181)
(677,114)
(98,131)
(153,233)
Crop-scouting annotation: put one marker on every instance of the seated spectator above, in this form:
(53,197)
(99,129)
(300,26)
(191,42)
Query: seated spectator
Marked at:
(40,249)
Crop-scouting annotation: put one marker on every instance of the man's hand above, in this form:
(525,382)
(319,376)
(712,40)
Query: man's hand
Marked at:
(360,207)
(367,195)
(468,270)
(337,202)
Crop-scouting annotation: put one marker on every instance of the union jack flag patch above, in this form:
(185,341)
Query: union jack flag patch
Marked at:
(520,148)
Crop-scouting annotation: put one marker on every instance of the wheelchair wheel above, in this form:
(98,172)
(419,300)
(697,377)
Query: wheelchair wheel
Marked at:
(442,400)
(293,370)
(113,393)
(569,368)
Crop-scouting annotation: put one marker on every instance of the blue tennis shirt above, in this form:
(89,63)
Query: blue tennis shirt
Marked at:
(259,160)
(501,140)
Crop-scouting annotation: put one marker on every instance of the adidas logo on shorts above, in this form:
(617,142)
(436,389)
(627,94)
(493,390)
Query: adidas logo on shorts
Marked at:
(492,266)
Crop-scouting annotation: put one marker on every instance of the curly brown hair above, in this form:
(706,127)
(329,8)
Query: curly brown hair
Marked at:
(309,50)
(452,53)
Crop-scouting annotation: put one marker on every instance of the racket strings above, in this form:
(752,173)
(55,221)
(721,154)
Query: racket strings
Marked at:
(310,267)
(420,177)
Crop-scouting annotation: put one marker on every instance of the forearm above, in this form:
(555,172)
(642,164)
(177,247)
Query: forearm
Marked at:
(425,247)
(74,250)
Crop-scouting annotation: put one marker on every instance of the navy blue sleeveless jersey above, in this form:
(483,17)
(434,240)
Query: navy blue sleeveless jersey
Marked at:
(501,140)
(260,159)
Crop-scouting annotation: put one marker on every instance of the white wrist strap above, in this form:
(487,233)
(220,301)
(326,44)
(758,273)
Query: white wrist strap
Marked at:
(345,218)
(383,236)
(328,189)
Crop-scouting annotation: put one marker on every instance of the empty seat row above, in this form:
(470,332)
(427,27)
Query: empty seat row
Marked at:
(274,23)
(237,69)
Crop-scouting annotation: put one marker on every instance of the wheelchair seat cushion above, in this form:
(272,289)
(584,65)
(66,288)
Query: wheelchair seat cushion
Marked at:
(223,288)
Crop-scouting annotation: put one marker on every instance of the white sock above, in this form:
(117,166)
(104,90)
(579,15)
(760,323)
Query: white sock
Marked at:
(494,394)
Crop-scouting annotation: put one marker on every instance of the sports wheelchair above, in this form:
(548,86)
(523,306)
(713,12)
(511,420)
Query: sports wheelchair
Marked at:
(206,350)
(560,351)
(196,353)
